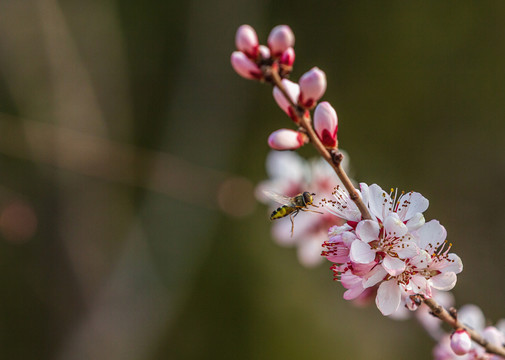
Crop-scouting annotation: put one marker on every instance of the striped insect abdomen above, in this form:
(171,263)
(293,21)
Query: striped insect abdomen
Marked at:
(282,211)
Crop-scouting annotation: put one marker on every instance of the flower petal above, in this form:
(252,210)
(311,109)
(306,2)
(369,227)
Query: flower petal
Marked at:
(377,274)
(471,315)
(410,204)
(420,285)
(406,249)
(444,281)
(361,252)
(388,297)
(368,230)
(378,201)
(431,235)
(393,266)
(394,226)
(415,222)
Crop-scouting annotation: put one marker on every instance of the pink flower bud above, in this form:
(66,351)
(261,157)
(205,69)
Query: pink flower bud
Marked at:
(264,52)
(312,87)
(286,139)
(293,90)
(288,57)
(326,124)
(246,41)
(281,37)
(461,343)
(244,66)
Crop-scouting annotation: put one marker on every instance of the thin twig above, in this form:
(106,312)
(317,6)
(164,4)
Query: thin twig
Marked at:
(334,158)
(441,313)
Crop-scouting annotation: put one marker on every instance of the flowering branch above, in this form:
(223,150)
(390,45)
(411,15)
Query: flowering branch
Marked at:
(383,247)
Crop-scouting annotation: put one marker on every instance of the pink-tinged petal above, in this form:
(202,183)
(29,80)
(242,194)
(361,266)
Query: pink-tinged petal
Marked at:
(393,266)
(349,280)
(431,235)
(421,260)
(419,285)
(388,297)
(246,41)
(362,270)
(361,252)
(410,204)
(376,275)
(325,123)
(281,37)
(394,226)
(453,264)
(406,249)
(293,91)
(264,52)
(244,66)
(461,343)
(444,281)
(379,201)
(472,316)
(285,139)
(415,222)
(368,230)
(353,293)
(312,87)
(288,57)
(337,230)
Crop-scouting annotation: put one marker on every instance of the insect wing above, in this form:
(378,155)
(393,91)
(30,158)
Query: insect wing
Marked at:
(281,199)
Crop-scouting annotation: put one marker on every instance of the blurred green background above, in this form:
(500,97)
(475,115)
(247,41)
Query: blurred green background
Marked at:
(129,150)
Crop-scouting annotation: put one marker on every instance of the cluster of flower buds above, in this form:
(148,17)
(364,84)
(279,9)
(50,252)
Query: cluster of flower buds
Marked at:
(258,62)
(395,255)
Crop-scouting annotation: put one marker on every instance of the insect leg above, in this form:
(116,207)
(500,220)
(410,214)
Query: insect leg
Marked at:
(291,217)
(314,211)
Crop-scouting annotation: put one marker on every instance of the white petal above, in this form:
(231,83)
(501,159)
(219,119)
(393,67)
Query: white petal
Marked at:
(406,249)
(394,226)
(431,235)
(285,165)
(410,204)
(368,230)
(454,265)
(471,315)
(376,275)
(361,252)
(421,260)
(444,281)
(415,222)
(378,201)
(363,192)
(388,297)
(393,266)
(420,285)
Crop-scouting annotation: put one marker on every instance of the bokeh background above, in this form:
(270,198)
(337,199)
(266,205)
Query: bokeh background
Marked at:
(129,150)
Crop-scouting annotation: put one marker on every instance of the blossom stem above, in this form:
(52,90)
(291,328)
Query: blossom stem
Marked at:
(334,158)
(444,315)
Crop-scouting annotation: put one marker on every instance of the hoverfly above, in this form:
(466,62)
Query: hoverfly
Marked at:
(291,205)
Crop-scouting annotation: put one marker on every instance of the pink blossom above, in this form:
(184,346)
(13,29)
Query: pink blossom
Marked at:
(293,90)
(312,87)
(281,37)
(244,66)
(286,139)
(246,41)
(326,124)
(461,343)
